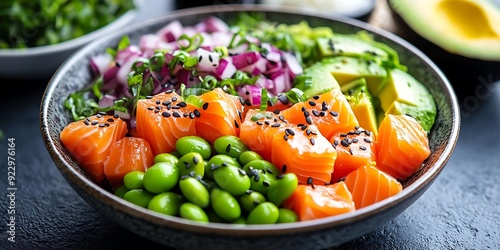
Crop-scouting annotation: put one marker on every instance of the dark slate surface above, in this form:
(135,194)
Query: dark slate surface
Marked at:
(459,211)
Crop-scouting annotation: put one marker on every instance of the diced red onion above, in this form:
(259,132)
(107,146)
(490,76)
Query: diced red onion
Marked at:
(124,55)
(242,60)
(107,101)
(149,43)
(292,64)
(226,69)
(254,94)
(100,63)
(215,24)
(171,31)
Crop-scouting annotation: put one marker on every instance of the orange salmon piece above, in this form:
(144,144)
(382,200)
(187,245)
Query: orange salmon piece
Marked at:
(162,119)
(89,141)
(320,201)
(299,149)
(330,112)
(126,155)
(355,149)
(221,114)
(402,146)
(369,185)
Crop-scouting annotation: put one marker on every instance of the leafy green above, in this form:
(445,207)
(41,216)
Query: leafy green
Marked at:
(32,23)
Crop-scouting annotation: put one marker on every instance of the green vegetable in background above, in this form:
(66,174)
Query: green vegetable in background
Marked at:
(32,23)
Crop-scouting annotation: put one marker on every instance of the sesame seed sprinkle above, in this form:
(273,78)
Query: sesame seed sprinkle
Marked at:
(367,140)
(312,103)
(312,141)
(165,114)
(94,122)
(197,113)
(362,147)
(176,114)
(333,113)
(205,106)
(228,148)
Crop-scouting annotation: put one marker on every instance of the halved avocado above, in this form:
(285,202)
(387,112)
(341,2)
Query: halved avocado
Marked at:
(469,28)
(362,104)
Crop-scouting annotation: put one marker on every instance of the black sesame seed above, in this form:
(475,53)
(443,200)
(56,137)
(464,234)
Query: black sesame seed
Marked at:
(176,114)
(357,132)
(187,164)
(335,142)
(315,113)
(195,160)
(94,122)
(356,127)
(312,141)
(315,97)
(368,133)
(303,109)
(312,103)
(343,135)
(275,125)
(276,111)
(158,102)
(156,110)
(308,132)
(196,113)
(167,103)
(306,113)
(240,115)
(350,151)
(344,143)
(174,99)
(362,148)
(175,107)
(110,120)
(267,122)
(116,116)
(308,120)
(165,114)
(181,104)
(169,91)
(256,177)
(285,137)
(367,140)
(149,97)
(150,108)
(228,148)
(266,183)
(86,122)
(248,103)
(191,115)
(102,125)
(355,140)
(259,123)
(98,115)
(333,113)
(205,106)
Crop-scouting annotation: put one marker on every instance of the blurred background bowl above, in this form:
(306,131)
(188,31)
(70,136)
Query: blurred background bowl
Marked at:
(42,61)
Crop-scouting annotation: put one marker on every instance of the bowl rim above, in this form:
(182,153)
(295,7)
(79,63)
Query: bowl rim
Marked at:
(162,220)
(73,43)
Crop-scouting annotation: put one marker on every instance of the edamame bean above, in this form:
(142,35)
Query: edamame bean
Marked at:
(219,160)
(264,213)
(230,145)
(191,164)
(194,191)
(282,189)
(139,197)
(134,180)
(192,212)
(240,220)
(194,143)
(232,179)
(225,205)
(166,203)
(161,177)
(248,156)
(166,157)
(261,180)
(250,200)
(121,190)
(287,216)
(262,165)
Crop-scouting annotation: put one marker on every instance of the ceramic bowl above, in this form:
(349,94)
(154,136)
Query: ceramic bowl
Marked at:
(41,62)
(179,233)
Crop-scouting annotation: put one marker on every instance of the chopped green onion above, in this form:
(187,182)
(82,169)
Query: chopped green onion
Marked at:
(263,99)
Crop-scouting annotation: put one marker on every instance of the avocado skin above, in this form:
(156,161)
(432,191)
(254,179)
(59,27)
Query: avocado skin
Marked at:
(459,70)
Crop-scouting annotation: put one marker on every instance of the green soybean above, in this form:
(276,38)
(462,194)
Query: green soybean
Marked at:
(166,203)
(219,160)
(134,180)
(264,213)
(139,197)
(240,220)
(121,190)
(192,212)
(261,180)
(191,164)
(161,177)
(194,191)
(248,156)
(194,143)
(250,200)
(166,157)
(230,145)
(232,179)
(262,165)
(282,188)
(287,216)
(214,217)
(225,205)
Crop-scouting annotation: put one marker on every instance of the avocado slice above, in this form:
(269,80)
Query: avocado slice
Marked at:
(449,25)
(315,80)
(403,94)
(362,104)
(347,69)
(348,45)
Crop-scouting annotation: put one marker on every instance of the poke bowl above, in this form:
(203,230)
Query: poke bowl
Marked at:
(268,113)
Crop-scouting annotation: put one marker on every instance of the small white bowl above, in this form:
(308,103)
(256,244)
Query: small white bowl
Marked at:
(41,62)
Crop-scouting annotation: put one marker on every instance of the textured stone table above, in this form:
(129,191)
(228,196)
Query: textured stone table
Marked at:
(459,211)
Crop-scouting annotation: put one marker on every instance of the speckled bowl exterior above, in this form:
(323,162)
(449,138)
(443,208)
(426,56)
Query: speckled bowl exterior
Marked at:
(179,233)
